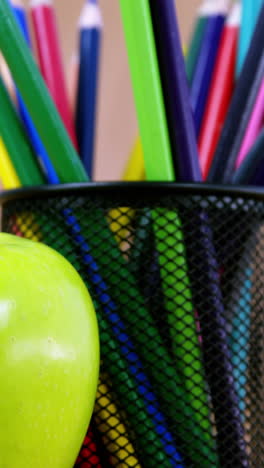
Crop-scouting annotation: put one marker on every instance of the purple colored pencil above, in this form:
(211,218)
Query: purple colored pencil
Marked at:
(175,91)
(206,62)
(202,255)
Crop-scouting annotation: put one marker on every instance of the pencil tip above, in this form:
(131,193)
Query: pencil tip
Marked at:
(90,16)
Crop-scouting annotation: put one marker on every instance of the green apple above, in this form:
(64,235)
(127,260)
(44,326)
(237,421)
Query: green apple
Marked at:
(49,357)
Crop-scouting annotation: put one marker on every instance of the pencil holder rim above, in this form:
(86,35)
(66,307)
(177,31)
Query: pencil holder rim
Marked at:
(137,190)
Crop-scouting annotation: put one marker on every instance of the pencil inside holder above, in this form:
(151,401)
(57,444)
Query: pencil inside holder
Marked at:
(141,248)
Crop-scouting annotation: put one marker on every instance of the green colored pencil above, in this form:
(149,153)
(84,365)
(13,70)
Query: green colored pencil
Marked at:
(172,259)
(16,142)
(147,89)
(37,99)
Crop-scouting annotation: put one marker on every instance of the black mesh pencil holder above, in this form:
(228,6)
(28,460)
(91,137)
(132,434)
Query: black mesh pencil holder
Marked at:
(176,273)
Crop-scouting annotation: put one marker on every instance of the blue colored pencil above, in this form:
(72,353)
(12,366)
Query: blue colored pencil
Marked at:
(90,38)
(30,128)
(206,61)
(250,12)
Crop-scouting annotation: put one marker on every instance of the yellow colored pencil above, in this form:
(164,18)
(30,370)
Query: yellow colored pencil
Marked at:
(8,174)
(10,181)
(135,170)
(108,421)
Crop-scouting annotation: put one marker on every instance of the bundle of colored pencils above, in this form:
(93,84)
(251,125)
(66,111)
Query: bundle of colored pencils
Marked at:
(199,120)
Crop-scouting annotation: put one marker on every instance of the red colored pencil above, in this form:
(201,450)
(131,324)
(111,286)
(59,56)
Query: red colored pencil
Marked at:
(221,90)
(50,59)
(89,456)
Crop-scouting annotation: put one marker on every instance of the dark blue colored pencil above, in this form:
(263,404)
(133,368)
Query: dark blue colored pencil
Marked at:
(175,91)
(205,64)
(90,39)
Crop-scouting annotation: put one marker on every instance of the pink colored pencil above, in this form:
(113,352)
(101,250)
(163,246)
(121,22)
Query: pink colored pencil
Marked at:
(50,59)
(254,126)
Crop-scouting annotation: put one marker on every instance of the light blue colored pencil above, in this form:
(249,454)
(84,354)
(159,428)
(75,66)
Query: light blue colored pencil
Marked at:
(240,338)
(250,12)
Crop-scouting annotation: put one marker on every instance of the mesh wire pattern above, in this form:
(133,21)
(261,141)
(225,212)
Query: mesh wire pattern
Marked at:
(176,275)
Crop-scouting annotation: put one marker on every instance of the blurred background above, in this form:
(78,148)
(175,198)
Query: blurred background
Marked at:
(117,125)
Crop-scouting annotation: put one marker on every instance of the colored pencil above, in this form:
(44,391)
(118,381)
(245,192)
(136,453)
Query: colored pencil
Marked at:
(194,46)
(16,142)
(37,99)
(50,59)
(254,126)
(175,91)
(112,429)
(89,455)
(240,336)
(250,12)
(220,90)
(206,61)
(10,181)
(90,26)
(148,92)
(225,155)
(251,168)
(135,170)
(31,131)
(121,218)
(8,176)
(243,124)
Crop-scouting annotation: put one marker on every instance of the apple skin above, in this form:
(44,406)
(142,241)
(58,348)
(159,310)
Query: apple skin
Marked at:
(49,357)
